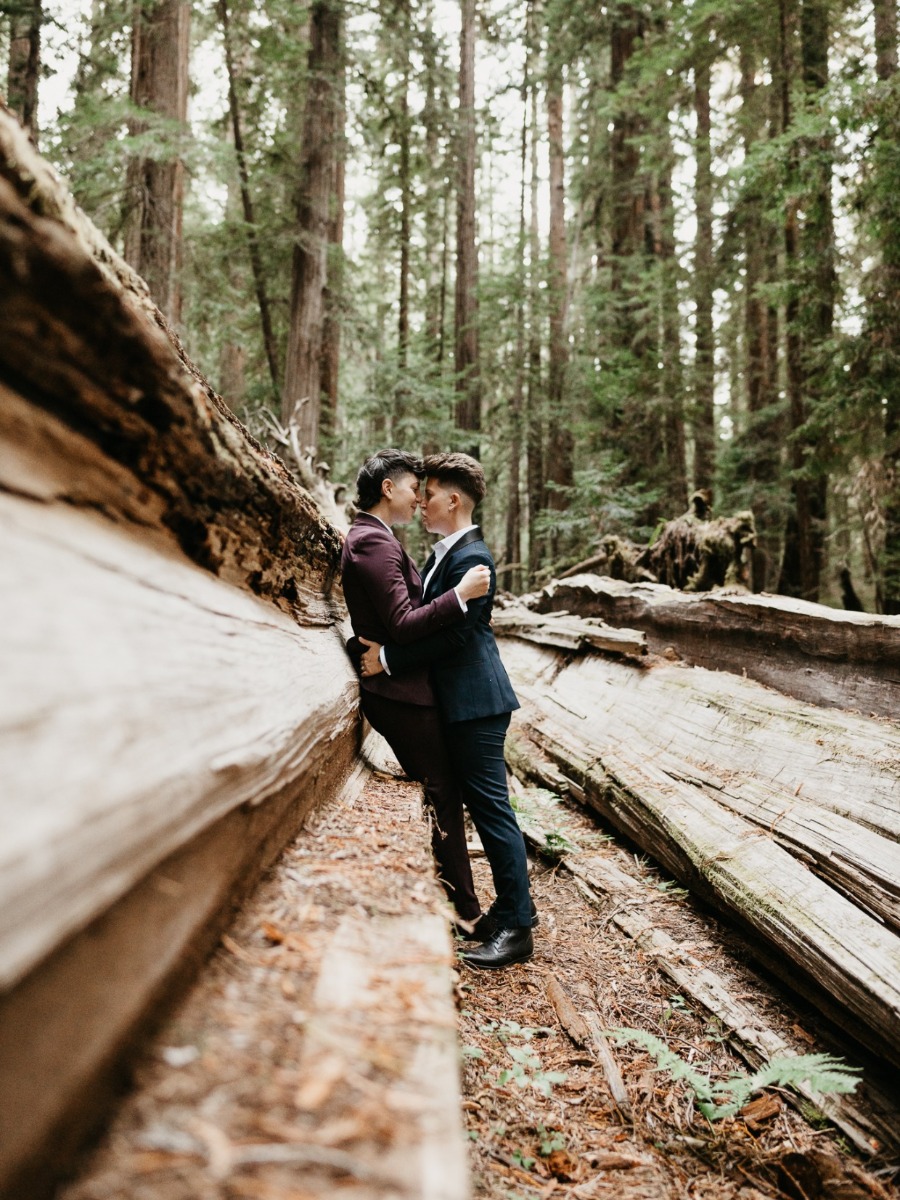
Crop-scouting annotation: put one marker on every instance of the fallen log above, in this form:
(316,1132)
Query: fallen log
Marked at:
(645,747)
(176,696)
(629,906)
(566,632)
(809,651)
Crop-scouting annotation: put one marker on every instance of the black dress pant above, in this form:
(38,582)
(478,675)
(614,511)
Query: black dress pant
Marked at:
(415,734)
(476,751)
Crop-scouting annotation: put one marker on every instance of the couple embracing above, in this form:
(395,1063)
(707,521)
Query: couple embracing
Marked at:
(432,683)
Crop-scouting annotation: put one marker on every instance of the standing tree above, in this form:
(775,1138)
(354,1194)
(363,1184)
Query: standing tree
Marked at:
(468,383)
(26,17)
(880,365)
(302,399)
(703,423)
(561,441)
(159,89)
(250,223)
(809,252)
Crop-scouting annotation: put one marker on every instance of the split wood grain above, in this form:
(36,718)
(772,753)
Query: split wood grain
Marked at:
(567,632)
(815,653)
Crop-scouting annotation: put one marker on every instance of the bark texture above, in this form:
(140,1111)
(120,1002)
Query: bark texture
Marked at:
(25,63)
(177,695)
(302,398)
(793,834)
(159,85)
(818,654)
(468,387)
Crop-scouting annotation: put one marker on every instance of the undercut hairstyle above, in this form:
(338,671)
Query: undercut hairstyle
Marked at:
(459,471)
(382,465)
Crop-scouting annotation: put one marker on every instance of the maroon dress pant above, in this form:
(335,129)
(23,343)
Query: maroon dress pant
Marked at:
(414,733)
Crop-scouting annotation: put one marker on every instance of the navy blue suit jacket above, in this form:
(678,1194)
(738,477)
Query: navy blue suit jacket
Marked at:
(468,677)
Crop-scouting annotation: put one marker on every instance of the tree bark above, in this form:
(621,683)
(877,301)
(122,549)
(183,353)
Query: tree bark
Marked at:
(885,12)
(535,404)
(435,205)
(809,311)
(159,748)
(406,199)
(762,439)
(821,655)
(703,422)
(609,728)
(561,442)
(302,396)
(513,542)
(25,63)
(672,381)
(468,383)
(334,290)
(160,50)
(883,303)
(259,281)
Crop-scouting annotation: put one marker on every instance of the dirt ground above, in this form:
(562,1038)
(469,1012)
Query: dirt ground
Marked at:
(221,1108)
(553,1128)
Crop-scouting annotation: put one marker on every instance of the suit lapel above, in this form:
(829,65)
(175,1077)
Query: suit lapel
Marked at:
(471,535)
(429,563)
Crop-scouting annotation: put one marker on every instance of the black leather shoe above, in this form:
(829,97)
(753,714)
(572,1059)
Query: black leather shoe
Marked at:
(503,947)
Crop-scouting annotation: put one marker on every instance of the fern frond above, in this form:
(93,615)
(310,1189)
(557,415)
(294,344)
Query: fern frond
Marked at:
(823,1072)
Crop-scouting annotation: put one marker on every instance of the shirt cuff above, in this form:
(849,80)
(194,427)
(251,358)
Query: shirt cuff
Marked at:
(462,603)
(382,658)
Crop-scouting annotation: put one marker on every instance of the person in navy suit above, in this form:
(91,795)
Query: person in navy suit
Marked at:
(383,592)
(475,697)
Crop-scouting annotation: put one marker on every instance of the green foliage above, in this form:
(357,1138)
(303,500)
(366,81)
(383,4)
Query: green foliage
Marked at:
(528,1072)
(599,502)
(725,1099)
(628,396)
(551,1140)
(532,807)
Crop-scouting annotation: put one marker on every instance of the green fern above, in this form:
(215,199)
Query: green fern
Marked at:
(823,1072)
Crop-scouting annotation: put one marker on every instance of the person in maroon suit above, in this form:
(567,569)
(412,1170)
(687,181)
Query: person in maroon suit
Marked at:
(383,592)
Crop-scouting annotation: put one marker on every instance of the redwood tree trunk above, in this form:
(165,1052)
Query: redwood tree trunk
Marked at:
(25,63)
(884,306)
(302,399)
(560,447)
(259,282)
(535,421)
(513,554)
(331,332)
(159,82)
(810,308)
(764,434)
(468,386)
(703,422)
(670,348)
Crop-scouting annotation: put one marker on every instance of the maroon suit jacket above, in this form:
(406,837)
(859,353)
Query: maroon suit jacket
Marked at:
(384,597)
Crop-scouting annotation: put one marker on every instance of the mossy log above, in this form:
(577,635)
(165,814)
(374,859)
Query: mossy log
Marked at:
(823,655)
(781,814)
(175,693)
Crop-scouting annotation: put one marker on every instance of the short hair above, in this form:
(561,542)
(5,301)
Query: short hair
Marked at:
(460,471)
(382,465)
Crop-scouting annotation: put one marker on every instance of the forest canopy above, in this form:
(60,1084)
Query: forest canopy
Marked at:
(623,252)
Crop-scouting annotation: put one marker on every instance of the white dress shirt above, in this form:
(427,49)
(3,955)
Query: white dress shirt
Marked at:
(440,550)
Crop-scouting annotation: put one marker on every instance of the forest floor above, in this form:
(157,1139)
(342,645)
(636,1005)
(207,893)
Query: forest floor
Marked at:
(228,1104)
